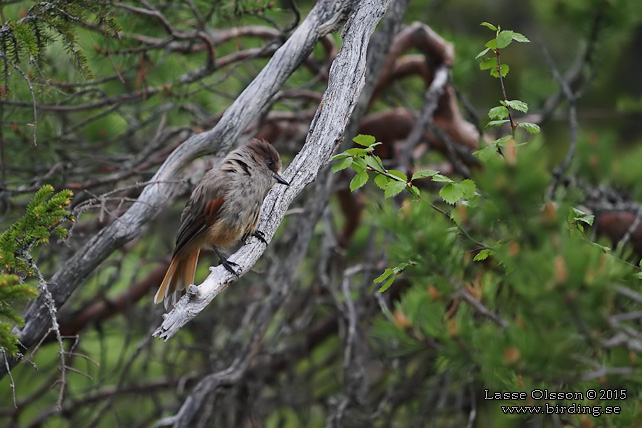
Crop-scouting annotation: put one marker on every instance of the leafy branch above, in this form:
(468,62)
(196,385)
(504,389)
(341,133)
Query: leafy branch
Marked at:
(501,114)
(393,182)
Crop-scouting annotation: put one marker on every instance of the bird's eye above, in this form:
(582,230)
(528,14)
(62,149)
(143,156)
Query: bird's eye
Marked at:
(270,162)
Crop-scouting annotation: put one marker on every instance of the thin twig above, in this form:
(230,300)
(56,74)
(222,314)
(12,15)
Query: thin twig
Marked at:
(479,307)
(55,328)
(571,99)
(513,125)
(431,100)
(12,384)
(632,228)
(31,92)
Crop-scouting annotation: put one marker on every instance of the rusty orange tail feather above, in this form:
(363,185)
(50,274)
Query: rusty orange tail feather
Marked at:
(163,289)
(181,269)
(190,267)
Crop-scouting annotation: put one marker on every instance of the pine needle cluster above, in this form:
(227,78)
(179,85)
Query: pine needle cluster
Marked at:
(44,216)
(46,21)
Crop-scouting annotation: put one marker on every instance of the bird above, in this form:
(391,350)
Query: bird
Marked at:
(223,209)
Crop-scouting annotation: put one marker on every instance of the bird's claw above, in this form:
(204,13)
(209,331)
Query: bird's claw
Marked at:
(229,266)
(260,236)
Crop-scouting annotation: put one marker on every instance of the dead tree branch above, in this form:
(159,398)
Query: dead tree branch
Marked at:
(347,78)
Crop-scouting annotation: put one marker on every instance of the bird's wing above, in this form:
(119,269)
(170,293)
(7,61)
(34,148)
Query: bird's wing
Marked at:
(201,211)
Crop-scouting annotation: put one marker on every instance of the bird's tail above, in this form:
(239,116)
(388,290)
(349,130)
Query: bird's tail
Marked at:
(181,271)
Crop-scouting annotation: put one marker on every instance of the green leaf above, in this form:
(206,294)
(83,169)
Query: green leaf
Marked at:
(517,105)
(423,174)
(355,151)
(504,69)
(394,188)
(451,193)
(579,215)
(415,191)
(373,162)
(490,150)
(438,178)
(489,25)
(454,192)
(504,38)
(499,112)
(387,285)
(364,140)
(391,275)
(402,267)
(530,127)
(456,217)
(371,147)
(468,187)
(381,180)
(497,122)
(359,180)
(488,63)
(482,255)
(398,174)
(340,156)
(342,164)
(485,154)
(520,38)
(473,202)
(503,140)
(482,53)
(359,164)
(386,273)
(491,44)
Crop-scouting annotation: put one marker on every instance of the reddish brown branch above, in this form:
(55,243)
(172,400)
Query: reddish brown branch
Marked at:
(618,225)
(107,308)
